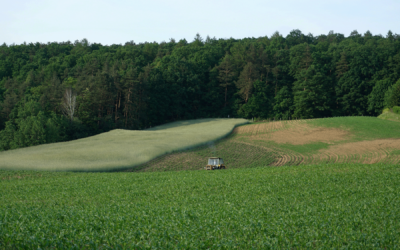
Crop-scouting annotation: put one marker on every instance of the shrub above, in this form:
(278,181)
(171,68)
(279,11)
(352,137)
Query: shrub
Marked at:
(396,109)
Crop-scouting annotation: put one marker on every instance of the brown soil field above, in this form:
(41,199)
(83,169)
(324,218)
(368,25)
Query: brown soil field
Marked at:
(296,132)
(264,128)
(364,151)
(302,133)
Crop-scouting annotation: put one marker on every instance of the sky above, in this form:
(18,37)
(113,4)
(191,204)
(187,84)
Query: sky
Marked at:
(118,21)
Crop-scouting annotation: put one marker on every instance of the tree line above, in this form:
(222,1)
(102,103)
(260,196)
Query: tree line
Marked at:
(62,91)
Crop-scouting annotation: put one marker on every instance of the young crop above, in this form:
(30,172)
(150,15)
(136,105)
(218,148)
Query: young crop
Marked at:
(302,207)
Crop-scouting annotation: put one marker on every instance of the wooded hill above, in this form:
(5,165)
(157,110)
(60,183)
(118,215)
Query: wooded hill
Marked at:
(62,91)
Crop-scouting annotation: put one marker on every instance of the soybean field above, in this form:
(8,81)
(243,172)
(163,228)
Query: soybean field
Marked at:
(309,206)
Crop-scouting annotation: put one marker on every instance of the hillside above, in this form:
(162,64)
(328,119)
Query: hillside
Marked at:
(343,204)
(135,86)
(118,149)
(327,140)
(388,115)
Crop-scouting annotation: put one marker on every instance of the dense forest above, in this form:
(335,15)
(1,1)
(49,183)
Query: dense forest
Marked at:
(63,91)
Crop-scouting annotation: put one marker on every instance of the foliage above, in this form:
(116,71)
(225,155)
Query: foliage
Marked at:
(392,95)
(320,206)
(396,110)
(259,104)
(136,86)
(31,127)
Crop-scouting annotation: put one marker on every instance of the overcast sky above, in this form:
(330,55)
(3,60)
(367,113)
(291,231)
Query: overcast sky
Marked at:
(119,21)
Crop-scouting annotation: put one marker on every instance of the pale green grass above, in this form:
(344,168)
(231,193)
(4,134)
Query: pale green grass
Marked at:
(118,149)
(389,116)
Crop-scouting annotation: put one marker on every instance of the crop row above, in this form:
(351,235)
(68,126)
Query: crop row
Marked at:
(236,154)
(323,206)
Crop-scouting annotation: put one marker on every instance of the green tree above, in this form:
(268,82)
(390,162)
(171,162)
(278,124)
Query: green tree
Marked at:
(311,95)
(283,103)
(259,104)
(392,95)
(226,74)
(376,99)
(246,79)
(31,127)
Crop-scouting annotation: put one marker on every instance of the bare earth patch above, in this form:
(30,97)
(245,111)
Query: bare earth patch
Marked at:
(266,127)
(301,133)
(363,151)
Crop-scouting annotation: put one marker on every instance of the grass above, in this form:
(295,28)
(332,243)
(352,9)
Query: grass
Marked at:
(324,206)
(388,115)
(243,150)
(118,149)
(247,206)
(361,127)
(235,154)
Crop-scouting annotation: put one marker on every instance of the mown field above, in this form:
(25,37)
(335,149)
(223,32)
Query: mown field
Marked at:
(350,206)
(297,142)
(118,149)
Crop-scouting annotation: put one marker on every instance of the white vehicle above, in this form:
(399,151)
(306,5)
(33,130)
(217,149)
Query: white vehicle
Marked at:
(215,163)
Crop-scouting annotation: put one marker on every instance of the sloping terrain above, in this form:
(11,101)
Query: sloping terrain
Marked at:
(388,115)
(328,140)
(118,149)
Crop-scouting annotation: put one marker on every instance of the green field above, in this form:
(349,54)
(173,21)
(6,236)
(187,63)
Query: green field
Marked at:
(118,149)
(361,127)
(250,205)
(349,206)
(251,149)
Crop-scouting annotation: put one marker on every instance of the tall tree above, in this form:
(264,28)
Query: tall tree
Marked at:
(246,79)
(226,74)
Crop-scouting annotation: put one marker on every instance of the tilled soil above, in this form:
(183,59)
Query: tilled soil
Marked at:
(363,151)
(295,132)
(304,134)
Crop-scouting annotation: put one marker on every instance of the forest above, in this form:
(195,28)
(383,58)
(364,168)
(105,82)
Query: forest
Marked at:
(63,91)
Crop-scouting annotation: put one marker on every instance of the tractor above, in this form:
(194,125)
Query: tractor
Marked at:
(215,163)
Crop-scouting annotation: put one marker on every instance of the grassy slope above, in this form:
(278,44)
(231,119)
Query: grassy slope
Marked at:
(360,129)
(118,149)
(323,206)
(241,151)
(388,115)
(234,153)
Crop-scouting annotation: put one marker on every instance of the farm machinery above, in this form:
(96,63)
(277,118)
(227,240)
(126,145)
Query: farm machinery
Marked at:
(215,163)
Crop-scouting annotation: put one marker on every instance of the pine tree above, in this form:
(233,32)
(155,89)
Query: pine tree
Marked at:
(246,79)
(226,74)
(342,65)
